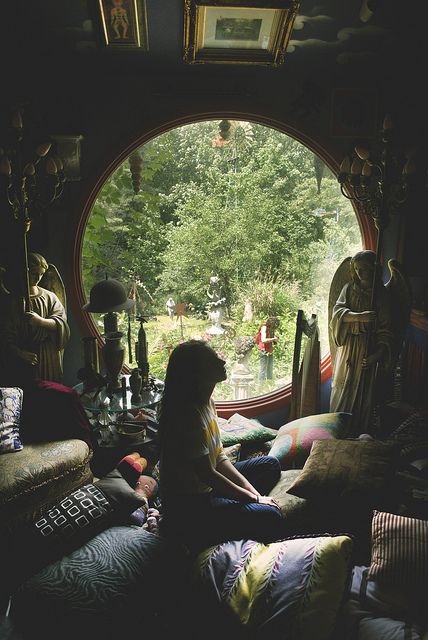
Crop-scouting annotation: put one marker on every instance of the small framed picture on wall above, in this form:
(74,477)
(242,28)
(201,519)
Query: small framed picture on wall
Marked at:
(124,24)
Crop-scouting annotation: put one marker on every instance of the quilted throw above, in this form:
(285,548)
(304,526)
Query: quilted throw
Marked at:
(289,589)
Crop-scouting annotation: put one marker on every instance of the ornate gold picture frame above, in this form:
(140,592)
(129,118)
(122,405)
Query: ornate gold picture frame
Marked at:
(224,31)
(124,24)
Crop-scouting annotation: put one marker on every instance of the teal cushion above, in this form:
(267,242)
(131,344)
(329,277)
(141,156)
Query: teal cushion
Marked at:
(238,429)
(294,440)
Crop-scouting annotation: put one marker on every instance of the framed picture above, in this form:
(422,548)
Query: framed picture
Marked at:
(222,31)
(124,24)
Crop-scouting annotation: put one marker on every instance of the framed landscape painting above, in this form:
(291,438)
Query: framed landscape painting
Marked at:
(224,32)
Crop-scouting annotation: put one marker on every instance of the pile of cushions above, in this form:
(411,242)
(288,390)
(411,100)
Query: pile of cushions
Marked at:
(341,482)
(71,522)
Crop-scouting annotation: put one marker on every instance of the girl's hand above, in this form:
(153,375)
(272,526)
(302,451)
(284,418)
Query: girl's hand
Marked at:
(270,501)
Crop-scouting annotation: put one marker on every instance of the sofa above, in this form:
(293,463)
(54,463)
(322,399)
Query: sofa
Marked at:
(354,565)
(45,454)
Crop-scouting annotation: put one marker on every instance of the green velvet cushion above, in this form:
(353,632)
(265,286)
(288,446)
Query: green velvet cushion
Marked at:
(244,430)
(294,440)
(303,516)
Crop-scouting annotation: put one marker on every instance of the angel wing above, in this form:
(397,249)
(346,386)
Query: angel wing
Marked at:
(52,280)
(341,276)
(400,292)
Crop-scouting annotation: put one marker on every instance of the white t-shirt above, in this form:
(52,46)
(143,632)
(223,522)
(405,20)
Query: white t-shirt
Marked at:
(198,439)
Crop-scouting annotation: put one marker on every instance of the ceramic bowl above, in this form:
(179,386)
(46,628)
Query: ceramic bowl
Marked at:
(132,432)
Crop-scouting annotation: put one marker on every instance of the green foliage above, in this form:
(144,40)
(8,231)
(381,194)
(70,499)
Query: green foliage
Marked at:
(247,211)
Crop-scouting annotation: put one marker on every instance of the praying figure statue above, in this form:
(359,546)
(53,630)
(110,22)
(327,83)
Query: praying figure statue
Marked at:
(366,329)
(33,341)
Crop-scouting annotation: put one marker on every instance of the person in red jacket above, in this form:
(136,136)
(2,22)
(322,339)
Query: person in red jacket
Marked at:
(265,341)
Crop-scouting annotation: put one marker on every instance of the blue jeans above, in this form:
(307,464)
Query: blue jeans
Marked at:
(265,366)
(200,521)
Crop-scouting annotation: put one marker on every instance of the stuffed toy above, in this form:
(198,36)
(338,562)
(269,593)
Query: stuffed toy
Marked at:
(131,468)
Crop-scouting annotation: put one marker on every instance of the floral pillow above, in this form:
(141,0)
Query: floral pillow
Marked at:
(10,417)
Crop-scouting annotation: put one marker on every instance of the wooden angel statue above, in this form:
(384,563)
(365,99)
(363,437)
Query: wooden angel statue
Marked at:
(367,320)
(33,341)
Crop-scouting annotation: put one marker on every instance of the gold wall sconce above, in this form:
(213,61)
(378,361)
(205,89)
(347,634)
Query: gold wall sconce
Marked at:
(124,24)
(224,31)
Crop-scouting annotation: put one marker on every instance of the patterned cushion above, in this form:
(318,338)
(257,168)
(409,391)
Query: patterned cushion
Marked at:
(302,515)
(346,469)
(294,440)
(118,581)
(399,551)
(379,611)
(233,452)
(240,429)
(10,417)
(289,589)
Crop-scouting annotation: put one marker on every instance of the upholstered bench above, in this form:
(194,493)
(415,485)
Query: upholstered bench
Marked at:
(37,476)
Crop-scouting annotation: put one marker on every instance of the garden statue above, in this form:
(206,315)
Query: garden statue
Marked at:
(215,305)
(170,308)
(367,320)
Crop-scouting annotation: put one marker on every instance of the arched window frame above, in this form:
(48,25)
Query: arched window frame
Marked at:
(276,400)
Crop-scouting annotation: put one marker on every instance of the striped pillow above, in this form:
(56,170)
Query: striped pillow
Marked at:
(399,550)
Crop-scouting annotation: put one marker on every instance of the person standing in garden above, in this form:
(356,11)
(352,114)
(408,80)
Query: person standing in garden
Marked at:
(265,339)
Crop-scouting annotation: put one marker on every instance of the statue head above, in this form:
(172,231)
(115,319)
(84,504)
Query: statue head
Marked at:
(362,268)
(37,266)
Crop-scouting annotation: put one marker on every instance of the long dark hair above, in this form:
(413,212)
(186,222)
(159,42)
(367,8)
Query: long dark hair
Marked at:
(271,324)
(182,394)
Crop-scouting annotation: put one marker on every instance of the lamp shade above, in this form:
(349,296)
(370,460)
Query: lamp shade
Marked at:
(108,295)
